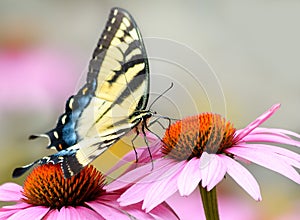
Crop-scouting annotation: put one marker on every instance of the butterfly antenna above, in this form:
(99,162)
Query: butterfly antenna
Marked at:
(162,94)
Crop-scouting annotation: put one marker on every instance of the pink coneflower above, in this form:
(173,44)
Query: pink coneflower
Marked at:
(200,150)
(47,195)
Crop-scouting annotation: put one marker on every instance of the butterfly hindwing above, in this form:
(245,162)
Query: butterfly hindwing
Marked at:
(108,105)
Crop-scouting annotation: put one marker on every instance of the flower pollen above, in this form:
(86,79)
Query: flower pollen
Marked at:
(190,137)
(46,186)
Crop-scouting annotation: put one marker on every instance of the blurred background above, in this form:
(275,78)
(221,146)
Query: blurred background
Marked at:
(236,58)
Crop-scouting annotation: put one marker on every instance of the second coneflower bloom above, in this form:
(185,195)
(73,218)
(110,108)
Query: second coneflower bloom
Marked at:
(46,194)
(200,150)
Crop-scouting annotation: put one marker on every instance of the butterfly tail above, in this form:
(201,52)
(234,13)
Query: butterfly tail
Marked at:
(19,171)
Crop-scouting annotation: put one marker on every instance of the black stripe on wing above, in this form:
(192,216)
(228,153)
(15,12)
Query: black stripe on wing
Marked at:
(64,134)
(121,36)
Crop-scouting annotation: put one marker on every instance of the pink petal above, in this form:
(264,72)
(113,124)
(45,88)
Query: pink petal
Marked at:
(163,188)
(138,173)
(130,156)
(52,215)
(163,212)
(135,210)
(288,156)
(6,214)
(155,149)
(34,212)
(212,170)
(76,213)
(137,192)
(218,172)
(10,192)
(69,213)
(134,194)
(106,211)
(242,176)
(189,177)
(88,214)
(281,131)
(271,138)
(193,211)
(261,119)
(7,211)
(268,159)
(21,205)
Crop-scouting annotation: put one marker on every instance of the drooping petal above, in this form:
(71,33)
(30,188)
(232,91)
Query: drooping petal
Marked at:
(268,159)
(138,173)
(68,213)
(135,210)
(263,136)
(7,211)
(219,170)
(78,213)
(279,131)
(288,156)
(88,214)
(138,191)
(34,212)
(10,192)
(52,215)
(242,176)
(189,177)
(212,170)
(134,194)
(21,205)
(261,119)
(106,211)
(162,189)
(204,162)
(163,212)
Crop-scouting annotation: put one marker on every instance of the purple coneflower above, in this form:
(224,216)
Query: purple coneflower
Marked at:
(48,195)
(200,150)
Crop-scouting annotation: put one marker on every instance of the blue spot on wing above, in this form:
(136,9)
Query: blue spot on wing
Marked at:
(80,103)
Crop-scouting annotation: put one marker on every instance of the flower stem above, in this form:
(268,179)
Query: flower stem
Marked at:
(210,203)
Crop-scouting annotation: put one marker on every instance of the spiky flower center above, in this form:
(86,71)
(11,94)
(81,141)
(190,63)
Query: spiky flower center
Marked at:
(46,186)
(192,136)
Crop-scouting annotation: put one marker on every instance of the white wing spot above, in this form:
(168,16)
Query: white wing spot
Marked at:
(109,28)
(113,20)
(63,119)
(126,21)
(115,12)
(55,134)
(71,103)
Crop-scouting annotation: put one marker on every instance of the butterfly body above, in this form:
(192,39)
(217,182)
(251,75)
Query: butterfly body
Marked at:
(110,104)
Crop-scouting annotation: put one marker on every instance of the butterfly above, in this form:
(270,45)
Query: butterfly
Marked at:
(111,103)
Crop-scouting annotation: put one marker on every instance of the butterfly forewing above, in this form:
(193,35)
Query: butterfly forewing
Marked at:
(101,112)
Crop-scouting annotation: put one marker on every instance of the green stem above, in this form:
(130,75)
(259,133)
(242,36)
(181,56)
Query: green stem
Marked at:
(210,203)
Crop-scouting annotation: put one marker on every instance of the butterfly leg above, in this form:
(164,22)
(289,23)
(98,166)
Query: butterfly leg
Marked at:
(132,143)
(144,126)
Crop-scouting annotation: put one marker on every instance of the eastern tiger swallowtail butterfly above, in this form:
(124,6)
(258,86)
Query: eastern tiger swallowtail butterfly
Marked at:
(109,105)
